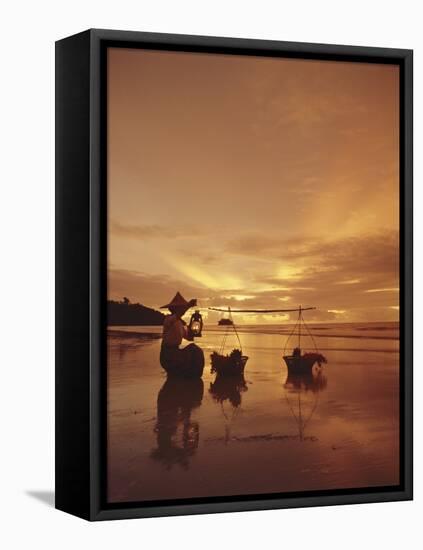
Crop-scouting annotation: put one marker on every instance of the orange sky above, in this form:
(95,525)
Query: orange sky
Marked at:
(254,182)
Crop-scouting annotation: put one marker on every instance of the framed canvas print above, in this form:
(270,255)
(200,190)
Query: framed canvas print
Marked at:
(234,274)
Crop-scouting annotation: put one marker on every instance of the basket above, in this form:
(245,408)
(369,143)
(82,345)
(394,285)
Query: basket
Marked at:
(228,365)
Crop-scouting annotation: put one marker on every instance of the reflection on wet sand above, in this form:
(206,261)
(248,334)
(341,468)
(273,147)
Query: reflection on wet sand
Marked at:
(286,433)
(315,381)
(177,435)
(123,341)
(301,392)
(298,389)
(227,390)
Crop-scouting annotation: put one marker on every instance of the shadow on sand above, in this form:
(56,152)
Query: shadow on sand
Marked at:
(46,497)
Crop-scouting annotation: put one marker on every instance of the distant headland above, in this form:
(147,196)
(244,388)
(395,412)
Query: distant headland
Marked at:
(126,313)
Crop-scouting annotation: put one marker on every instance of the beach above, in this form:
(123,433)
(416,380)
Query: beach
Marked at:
(266,433)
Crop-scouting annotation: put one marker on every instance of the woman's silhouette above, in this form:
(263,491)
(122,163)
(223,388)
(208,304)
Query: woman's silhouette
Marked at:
(186,362)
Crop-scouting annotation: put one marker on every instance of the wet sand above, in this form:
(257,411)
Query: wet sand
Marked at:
(267,433)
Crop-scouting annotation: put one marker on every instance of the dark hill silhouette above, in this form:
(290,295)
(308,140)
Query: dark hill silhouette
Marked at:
(125,313)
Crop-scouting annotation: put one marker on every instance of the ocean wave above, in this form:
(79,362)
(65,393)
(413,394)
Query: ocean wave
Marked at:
(133,334)
(353,336)
(365,350)
(284,332)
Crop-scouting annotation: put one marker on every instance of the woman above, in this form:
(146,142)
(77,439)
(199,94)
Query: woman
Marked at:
(188,361)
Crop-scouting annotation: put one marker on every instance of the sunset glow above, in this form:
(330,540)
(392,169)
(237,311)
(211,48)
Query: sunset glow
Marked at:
(254,182)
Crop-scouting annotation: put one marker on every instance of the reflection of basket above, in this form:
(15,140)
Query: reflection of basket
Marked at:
(228,365)
(302,363)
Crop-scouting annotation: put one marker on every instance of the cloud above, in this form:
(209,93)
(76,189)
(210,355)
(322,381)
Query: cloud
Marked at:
(371,290)
(150,290)
(357,276)
(153,231)
(347,279)
(333,302)
(349,282)
(257,244)
(349,260)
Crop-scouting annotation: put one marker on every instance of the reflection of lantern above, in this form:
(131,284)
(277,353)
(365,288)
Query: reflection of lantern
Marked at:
(196,324)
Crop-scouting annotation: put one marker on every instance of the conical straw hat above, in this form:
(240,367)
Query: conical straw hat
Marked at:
(179,300)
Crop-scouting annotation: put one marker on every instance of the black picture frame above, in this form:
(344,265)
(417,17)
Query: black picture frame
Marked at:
(81,274)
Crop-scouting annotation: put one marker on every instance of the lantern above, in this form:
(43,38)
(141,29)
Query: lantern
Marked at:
(196,324)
